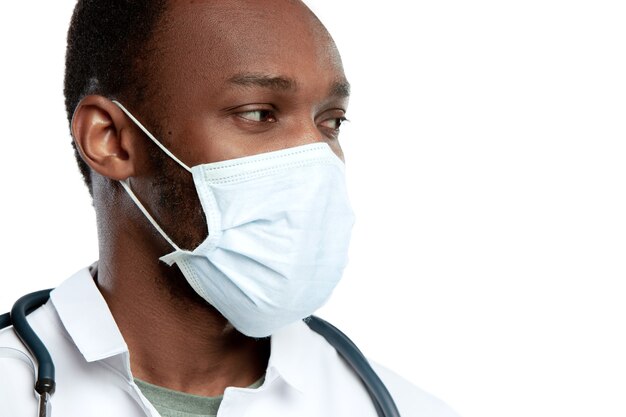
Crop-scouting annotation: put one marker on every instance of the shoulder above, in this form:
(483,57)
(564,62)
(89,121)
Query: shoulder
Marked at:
(411,400)
(17,393)
(313,360)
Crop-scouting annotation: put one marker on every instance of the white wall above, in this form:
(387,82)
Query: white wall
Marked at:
(486,165)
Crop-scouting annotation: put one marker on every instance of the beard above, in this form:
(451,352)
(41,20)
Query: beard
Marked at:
(180,213)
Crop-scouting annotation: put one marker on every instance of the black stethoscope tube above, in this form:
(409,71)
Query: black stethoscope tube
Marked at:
(45,366)
(383,402)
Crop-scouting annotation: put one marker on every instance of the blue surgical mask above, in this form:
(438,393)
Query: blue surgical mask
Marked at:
(279,229)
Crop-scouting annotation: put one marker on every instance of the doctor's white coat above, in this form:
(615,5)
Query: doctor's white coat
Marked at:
(305,376)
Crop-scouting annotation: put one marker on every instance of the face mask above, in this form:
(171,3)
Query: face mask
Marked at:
(279,228)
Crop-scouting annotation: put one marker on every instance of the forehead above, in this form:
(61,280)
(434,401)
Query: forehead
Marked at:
(206,43)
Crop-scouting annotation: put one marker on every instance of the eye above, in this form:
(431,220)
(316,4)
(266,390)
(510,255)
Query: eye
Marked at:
(334,123)
(262,116)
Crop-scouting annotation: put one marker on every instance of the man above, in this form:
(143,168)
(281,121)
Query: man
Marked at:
(207,134)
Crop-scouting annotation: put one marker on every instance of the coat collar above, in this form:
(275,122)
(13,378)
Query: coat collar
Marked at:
(87,319)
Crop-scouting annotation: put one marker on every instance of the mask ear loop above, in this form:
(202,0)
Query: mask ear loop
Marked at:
(126,184)
(145,212)
(152,138)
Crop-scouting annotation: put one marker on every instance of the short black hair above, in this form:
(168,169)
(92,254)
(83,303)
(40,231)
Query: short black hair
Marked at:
(108,53)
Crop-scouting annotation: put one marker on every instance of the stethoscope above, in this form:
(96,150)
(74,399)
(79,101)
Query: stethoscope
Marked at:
(45,384)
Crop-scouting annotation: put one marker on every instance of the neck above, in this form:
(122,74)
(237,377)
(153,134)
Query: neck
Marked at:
(175,339)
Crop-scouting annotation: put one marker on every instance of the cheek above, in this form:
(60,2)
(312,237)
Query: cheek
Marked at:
(223,142)
(336,148)
(202,140)
(216,144)
(179,210)
(219,139)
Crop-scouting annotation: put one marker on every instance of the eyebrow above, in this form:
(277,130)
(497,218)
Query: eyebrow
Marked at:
(338,88)
(263,80)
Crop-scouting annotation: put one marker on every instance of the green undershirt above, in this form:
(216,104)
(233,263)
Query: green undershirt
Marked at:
(170,403)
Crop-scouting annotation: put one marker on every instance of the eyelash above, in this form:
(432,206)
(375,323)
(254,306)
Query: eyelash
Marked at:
(340,121)
(262,111)
(271,118)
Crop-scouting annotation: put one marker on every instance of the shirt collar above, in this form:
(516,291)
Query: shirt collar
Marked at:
(89,322)
(87,318)
(293,349)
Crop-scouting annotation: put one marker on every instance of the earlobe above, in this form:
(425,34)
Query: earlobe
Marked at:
(103,138)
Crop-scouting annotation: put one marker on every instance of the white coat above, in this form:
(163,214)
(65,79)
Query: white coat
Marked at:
(305,377)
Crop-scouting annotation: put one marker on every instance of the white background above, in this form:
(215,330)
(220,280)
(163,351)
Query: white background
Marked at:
(486,161)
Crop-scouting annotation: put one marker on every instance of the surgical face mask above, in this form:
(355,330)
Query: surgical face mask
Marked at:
(279,228)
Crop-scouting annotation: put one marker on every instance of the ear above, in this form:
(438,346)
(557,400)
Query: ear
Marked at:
(103,137)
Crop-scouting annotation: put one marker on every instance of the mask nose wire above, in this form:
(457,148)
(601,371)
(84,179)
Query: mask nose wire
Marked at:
(125,183)
(152,138)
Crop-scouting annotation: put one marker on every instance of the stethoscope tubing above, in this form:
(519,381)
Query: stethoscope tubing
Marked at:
(45,365)
(382,399)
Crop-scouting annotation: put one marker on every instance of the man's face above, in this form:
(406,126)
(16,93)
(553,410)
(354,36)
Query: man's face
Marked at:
(239,78)
(236,78)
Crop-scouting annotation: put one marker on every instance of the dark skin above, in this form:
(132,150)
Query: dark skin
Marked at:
(235,78)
